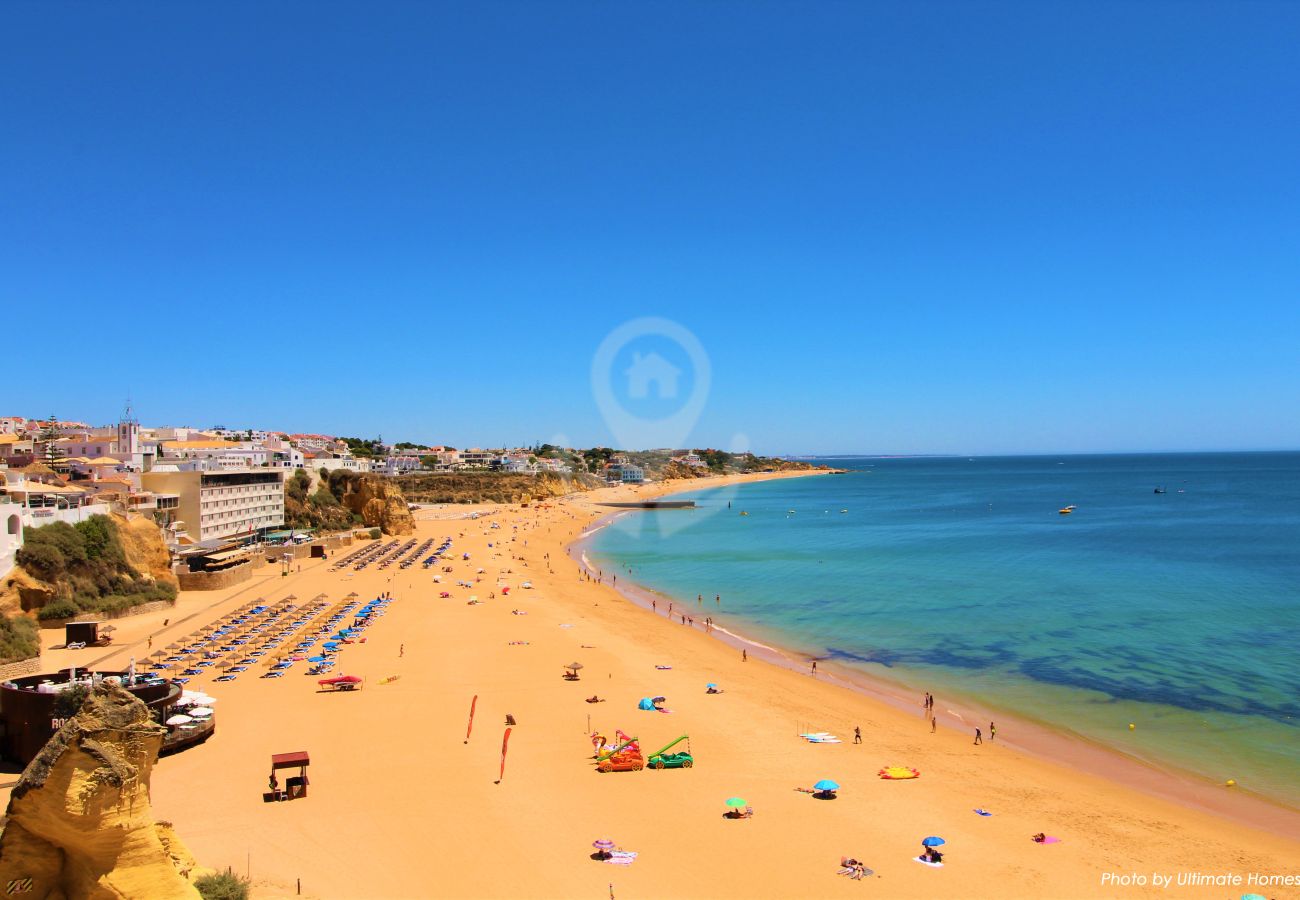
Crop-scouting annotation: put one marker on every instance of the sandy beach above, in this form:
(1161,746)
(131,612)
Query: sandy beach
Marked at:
(401,805)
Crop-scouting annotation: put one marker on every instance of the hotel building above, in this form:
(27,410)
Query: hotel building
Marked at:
(222,504)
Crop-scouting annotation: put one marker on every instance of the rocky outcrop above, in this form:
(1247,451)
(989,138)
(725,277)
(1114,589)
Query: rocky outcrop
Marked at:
(145,549)
(79,822)
(380,504)
(676,470)
(20,591)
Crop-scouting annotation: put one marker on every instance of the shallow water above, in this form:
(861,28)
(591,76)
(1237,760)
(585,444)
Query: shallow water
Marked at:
(1177,612)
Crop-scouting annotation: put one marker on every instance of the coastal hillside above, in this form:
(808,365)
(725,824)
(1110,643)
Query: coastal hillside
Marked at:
(665,465)
(490,487)
(104,564)
(340,500)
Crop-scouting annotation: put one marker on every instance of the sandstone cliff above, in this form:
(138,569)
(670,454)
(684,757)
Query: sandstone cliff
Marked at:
(145,549)
(380,504)
(491,487)
(79,822)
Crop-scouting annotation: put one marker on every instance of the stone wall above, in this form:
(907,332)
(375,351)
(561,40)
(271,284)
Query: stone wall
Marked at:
(303,551)
(215,581)
(18,669)
(143,608)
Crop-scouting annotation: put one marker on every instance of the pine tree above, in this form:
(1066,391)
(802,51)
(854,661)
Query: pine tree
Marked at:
(52,454)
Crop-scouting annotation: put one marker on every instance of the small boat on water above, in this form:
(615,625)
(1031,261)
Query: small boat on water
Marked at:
(1160,490)
(1066,510)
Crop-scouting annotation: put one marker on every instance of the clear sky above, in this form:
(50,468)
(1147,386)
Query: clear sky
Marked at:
(960,227)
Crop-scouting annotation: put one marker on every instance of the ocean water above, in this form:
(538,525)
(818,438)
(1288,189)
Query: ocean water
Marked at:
(1178,612)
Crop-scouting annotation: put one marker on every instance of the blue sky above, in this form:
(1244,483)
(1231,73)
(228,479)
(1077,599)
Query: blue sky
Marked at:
(958,227)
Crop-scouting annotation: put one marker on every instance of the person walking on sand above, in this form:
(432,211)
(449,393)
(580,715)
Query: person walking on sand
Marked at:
(857,734)
(993,732)
(401,651)
(979,736)
(934,723)
(814,667)
(744,654)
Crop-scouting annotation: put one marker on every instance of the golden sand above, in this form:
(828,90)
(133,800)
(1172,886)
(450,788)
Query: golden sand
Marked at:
(401,806)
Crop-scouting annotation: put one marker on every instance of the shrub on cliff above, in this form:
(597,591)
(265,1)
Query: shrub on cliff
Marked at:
(58,609)
(87,567)
(19,639)
(222,886)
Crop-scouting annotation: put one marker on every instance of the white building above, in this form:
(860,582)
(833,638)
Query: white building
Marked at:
(214,454)
(625,472)
(347,463)
(401,465)
(11,532)
(222,504)
(474,458)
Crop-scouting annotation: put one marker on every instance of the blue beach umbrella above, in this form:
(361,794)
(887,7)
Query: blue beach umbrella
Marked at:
(826,785)
(711,685)
(933,841)
(315,659)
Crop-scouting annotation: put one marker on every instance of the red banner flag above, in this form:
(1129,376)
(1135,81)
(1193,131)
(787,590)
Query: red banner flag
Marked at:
(473,703)
(505,741)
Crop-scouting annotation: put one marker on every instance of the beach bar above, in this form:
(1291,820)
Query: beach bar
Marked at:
(30,712)
(295,786)
(85,633)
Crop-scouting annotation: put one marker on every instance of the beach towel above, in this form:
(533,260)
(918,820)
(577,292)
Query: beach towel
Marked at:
(925,862)
(1049,840)
(982,812)
(663,668)
(621,858)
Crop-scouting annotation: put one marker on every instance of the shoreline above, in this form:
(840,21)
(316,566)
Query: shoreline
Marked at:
(1037,739)
(431,786)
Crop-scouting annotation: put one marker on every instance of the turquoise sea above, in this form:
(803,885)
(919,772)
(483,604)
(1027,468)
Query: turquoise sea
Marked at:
(1176,611)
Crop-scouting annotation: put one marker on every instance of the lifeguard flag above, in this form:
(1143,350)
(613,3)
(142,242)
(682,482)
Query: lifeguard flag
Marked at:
(472,704)
(505,742)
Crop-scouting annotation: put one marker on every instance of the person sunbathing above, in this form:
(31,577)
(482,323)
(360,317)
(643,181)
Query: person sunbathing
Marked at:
(595,699)
(1039,838)
(852,868)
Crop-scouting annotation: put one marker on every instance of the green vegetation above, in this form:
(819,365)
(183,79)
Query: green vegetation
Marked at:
(321,509)
(68,703)
(222,886)
(19,639)
(87,567)
(367,447)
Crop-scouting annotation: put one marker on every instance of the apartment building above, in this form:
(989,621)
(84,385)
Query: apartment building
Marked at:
(222,504)
(475,458)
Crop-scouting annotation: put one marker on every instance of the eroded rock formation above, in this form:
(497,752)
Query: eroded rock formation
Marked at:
(79,824)
(380,504)
(145,548)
